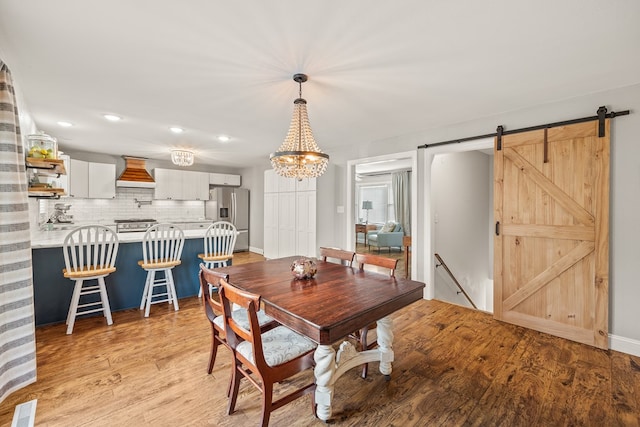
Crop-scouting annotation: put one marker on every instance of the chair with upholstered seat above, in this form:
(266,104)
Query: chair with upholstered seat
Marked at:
(213,311)
(377,264)
(345,257)
(219,243)
(161,251)
(89,254)
(272,356)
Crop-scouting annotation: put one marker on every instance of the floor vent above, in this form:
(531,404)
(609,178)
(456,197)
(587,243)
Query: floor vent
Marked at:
(25,414)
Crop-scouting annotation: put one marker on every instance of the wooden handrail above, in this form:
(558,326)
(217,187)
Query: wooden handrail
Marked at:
(441,261)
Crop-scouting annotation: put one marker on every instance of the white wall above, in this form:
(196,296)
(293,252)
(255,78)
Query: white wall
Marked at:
(461,205)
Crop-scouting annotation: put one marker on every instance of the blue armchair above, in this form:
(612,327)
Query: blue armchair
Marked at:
(387,236)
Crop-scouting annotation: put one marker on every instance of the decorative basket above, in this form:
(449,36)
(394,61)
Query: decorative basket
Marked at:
(304,268)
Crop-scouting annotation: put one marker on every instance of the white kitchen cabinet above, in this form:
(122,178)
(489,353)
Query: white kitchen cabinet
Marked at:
(287,224)
(271,230)
(306,223)
(176,184)
(224,179)
(78,178)
(102,180)
(92,180)
(186,226)
(195,185)
(289,218)
(307,184)
(168,184)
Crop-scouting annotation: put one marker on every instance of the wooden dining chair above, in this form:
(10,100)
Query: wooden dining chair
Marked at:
(388,264)
(342,255)
(378,262)
(272,356)
(213,311)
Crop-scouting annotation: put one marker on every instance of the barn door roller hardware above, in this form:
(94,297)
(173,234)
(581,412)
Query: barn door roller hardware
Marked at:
(600,117)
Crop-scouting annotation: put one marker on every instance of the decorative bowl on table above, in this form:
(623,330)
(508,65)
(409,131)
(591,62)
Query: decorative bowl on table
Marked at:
(304,268)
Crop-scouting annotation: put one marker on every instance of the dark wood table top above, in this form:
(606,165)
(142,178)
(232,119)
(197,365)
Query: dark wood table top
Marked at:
(327,308)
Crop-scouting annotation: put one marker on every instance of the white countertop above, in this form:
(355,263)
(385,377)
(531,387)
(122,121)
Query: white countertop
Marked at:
(55,238)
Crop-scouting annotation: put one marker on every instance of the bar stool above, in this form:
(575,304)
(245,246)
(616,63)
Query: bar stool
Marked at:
(219,242)
(161,251)
(89,254)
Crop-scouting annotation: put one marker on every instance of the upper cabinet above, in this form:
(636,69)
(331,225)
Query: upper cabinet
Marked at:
(92,180)
(224,179)
(173,184)
(102,180)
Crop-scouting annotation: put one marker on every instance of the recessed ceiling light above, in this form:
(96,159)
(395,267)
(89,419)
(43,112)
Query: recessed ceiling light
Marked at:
(65,124)
(112,117)
(224,138)
(176,129)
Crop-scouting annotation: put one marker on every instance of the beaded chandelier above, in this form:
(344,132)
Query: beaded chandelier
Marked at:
(299,156)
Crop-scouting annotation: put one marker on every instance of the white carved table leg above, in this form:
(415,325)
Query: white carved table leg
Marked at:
(385,345)
(325,357)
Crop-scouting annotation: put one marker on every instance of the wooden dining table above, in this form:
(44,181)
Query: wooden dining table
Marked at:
(337,301)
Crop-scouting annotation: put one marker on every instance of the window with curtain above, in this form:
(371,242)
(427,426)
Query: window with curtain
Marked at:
(381,207)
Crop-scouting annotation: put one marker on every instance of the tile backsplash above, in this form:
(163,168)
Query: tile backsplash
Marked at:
(128,203)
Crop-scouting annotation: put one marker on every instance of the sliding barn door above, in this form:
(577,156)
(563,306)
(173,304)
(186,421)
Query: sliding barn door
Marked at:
(552,237)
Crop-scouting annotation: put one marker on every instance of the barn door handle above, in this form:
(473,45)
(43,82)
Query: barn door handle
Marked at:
(497,228)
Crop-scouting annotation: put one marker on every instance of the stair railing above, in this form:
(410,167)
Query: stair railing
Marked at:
(441,263)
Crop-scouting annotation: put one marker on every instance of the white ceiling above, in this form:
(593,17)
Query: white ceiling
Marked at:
(377,69)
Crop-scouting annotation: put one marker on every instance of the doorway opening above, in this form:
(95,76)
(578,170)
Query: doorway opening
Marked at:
(372,203)
(459,211)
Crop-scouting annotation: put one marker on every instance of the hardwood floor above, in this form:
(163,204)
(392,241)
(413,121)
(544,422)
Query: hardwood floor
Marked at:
(454,366)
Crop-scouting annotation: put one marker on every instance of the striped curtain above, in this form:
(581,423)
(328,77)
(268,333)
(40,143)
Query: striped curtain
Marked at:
(17,326)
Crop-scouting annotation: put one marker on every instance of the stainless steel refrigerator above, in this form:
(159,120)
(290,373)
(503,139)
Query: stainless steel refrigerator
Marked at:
(231,204)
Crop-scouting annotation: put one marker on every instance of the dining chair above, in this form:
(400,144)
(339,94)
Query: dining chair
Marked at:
(213,311)
(272,356)
(161,251)
(335,253)
(219,242)
(89,254)
(377,262)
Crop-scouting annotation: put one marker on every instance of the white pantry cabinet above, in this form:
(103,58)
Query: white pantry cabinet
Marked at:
(289,216)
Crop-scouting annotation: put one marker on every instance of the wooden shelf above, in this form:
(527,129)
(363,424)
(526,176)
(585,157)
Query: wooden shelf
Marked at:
(46,192)
(53,166)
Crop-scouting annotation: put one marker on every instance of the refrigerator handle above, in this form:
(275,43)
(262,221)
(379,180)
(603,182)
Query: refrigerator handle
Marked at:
(234,207)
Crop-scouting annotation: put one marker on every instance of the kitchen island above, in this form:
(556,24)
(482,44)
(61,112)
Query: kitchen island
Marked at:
(52,291)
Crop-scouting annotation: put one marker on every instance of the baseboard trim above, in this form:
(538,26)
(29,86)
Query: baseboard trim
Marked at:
(256,250)
(624,345)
